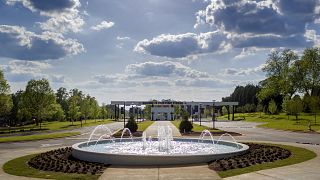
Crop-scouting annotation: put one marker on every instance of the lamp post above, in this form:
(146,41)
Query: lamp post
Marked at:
(124,114)
(213,114)
(200,114)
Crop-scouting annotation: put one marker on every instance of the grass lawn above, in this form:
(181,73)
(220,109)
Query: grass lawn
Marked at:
(144,125)
(37,137)
(283,122)
(298,155)
(196,127)
(61,125)
(19,167)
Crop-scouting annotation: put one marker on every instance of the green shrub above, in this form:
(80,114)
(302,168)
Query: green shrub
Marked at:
(185,124)
(132,124)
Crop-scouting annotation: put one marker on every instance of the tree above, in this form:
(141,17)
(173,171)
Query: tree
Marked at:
(6,103)
(55,112)
(132,124)
(224,110)
(310,70)
(285,105)
(74,109)
(315,106)
(259,109)
(244,95)
(295,106)
(85,108)
(185,125)
(272,107)
(37,98)
(104,111)
(62,98)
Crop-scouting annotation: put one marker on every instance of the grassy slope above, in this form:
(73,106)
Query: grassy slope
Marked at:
(58,125)
(19,167)
(144,125)
(298,155)
(37,137)
(280,121)
(196,127)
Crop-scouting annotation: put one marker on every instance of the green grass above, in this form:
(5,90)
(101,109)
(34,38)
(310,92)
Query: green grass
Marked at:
(144,125)
(37,137)
(19,167)
(298,155)
(196,127)
(283,122)
(61,125)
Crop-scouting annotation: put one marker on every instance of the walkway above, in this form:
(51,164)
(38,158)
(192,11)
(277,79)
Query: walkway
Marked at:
(153,129)
(197,172)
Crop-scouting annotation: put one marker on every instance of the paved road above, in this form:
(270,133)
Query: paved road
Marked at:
(251,132)
(68,141)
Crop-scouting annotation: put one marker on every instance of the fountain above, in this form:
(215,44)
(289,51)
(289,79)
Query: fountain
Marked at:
(99,127)
(227,134)
(160,150)
(203,134)
(125,130)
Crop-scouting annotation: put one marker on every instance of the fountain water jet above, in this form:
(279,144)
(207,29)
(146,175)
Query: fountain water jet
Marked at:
(123,131)
(104,127)
(227,134)
(203,134)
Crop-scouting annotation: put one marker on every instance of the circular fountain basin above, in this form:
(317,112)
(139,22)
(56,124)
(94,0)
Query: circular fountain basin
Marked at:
(132,152)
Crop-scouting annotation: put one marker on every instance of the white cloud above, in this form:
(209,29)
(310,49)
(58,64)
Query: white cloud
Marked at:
(63,15)
(23,71)
(244,71)
(18,43)
(182,45)
(122,38)
(164,69)
(102,25)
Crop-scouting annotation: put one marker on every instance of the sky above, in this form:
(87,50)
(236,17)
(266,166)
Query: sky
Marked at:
(188,50)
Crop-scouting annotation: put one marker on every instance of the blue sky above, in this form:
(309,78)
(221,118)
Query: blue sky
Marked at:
(150,49)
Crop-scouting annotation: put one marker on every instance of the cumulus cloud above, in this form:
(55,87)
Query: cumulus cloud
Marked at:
(23,71)
(245,71)
(18,43)
(102,25)
(182,45)
(63,15)
(164,69)
(241,24)
(160,74)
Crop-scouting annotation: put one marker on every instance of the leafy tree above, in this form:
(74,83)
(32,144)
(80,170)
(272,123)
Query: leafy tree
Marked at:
(5,97)
(310,70)
(86,108)
(55,112)
(74,109)
(62,96)
(16,112)
(272,107)
(37,98)
(259,109)
(295,106)
(104,111)
(315,106)
(244,95)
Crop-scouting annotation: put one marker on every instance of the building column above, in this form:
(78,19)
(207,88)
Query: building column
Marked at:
(228,109)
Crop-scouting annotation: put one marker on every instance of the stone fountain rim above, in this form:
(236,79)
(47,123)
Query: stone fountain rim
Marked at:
(243,148)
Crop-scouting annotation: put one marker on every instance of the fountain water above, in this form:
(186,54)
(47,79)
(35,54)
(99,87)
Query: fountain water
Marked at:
(164,138)
(227,134)
(99,127)
(123,131)
(203,134)
(144,140)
